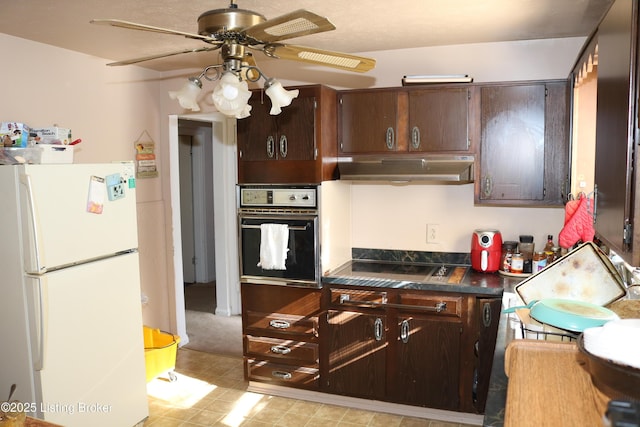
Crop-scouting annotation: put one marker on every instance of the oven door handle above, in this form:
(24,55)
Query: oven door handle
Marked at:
(291,227)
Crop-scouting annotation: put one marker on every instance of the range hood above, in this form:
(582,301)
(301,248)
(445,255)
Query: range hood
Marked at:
(437,169)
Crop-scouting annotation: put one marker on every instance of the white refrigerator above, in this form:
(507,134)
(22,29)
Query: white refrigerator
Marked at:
(70,307)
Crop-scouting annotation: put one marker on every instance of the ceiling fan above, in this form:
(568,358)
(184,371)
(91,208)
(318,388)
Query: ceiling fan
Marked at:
(236,32)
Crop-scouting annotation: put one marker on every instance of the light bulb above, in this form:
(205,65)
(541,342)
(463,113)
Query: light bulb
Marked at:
(231,96)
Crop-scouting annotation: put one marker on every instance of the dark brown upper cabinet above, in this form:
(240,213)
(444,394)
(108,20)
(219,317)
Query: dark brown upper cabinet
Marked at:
(524,144)
(616,158)
(295,147)
(405,120)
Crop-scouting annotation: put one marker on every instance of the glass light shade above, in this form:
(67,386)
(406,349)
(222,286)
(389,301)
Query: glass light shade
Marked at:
(188,94)
(231,96)
(280,97)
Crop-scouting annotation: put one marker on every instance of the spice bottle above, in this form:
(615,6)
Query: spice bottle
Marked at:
(539,261)
(508,248)
(517,263)
(526,249)
(548,248)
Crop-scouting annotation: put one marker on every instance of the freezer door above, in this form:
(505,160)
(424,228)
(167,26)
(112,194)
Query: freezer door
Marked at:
(58,227)
(89,367)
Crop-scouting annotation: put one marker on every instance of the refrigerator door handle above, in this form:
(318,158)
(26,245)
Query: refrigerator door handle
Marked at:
(38,332)
(33,230)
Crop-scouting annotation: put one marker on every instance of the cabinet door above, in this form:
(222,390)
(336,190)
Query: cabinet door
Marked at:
(367,122)
(615,131)
(428,362)
(257,138)
(287,136)
(296,130)
(513,142)
(356,347)
(438,120)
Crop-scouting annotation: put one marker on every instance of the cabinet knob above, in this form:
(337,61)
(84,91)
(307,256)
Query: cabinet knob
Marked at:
(284,146)
(281,375)
(377,329)
(391,138)
(404,331)
(280,349)
(270,147)
(415,137)
(487,186)
(279,324)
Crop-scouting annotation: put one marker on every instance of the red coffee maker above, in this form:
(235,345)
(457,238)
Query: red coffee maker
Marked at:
(486,250)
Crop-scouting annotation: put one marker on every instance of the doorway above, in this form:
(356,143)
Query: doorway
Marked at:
(223,154)
(197,215)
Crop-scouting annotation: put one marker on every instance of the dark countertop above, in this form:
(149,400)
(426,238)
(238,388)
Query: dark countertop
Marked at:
(492,284)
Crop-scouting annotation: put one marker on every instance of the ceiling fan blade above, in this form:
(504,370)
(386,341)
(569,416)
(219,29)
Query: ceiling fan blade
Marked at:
(321,57)
(134,26)
(161,55)
(295,24)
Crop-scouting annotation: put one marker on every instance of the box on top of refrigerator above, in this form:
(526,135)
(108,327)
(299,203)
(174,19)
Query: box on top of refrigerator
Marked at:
(52,135)
(13,134)
(55,153)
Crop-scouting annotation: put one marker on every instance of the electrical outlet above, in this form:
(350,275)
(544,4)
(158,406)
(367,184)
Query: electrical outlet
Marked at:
(433,233)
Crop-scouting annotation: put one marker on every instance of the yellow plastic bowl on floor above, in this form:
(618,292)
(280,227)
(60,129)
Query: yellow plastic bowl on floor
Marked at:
(160,350)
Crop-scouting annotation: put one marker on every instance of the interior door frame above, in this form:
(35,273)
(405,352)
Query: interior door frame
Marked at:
(225,216)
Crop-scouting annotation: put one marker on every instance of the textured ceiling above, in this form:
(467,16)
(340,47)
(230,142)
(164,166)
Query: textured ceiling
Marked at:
(363,26)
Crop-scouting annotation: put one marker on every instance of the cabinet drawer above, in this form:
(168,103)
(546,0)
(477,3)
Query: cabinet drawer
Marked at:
(292,376)
(285,350)
(358,298)
(259,323)
(441,305)
(280,299)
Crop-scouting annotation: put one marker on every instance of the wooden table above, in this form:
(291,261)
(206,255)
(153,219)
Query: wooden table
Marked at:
(549,386)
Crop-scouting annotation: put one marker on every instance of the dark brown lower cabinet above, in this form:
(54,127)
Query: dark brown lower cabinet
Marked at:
(356,346)
(428,362)
(419,348)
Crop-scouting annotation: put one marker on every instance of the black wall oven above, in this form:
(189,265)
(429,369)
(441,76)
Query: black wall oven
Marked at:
(296,207)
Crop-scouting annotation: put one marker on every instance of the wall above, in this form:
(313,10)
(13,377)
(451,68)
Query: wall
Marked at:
(109,109)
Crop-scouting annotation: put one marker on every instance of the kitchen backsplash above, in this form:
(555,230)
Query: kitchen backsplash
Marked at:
(417,257)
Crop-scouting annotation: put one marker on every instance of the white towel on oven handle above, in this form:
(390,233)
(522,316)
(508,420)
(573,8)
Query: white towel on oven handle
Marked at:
(274,240)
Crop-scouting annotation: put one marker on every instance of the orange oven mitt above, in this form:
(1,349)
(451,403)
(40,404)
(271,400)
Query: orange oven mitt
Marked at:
(578,223)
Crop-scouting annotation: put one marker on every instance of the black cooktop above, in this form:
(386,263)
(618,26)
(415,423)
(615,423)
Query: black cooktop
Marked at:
(384,272)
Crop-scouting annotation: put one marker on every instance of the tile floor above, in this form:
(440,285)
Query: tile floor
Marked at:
(211,391)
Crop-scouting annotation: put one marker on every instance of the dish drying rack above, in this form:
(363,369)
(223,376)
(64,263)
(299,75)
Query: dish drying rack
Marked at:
(529,333)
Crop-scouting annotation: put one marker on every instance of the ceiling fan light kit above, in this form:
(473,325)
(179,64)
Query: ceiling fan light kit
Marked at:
(235,30)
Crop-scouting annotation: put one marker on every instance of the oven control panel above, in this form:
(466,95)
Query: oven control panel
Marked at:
(278,197)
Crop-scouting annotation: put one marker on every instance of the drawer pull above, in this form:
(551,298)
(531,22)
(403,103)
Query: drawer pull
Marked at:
(280,349)
(404,331)
(279,324)
(377,329)
(281,375)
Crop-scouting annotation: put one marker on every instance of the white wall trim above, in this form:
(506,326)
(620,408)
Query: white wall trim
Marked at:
(225,218)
